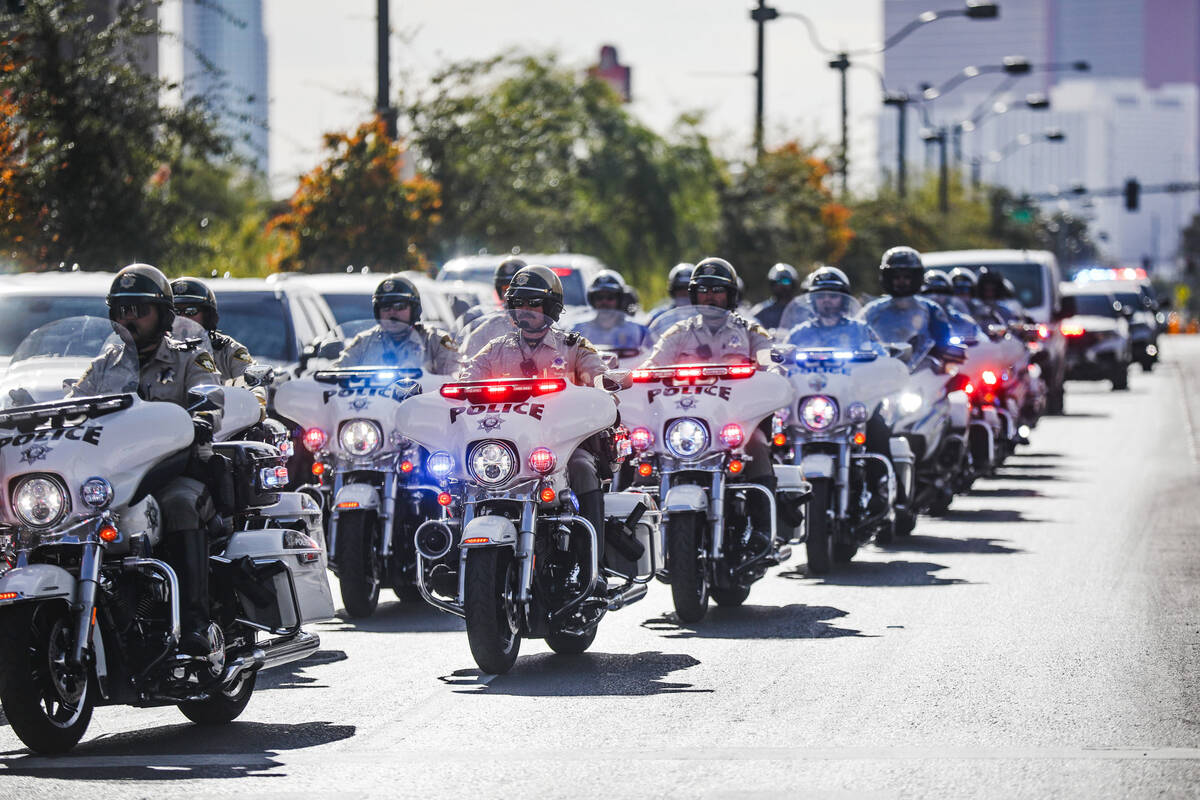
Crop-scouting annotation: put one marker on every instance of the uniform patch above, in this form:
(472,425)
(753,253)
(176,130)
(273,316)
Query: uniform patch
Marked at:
(205,361)
(242,354)
(167,376)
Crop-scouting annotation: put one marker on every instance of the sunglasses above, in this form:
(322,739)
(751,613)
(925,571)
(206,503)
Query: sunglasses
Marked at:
(711,290)
(395,306)
(133,310)
(517,302)
(188,311)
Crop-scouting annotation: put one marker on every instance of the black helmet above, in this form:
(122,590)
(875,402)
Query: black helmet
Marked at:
(827,279)
(142,283)
(194,293)
(715,272)
(680,277)
(537,282)
(988,279)
(901,260)
(395,289)
(963,280)
(783,275)
(504,272)
(937,282)
(607,282)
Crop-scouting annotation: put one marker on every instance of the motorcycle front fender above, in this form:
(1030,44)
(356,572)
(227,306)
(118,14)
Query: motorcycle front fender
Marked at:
(36,582)
(363,496)
(685,497)
(817,465)
(489,531)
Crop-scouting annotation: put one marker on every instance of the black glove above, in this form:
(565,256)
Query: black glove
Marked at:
(202,428)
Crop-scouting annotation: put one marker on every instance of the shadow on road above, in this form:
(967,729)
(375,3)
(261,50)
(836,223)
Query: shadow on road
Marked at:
(1006,493)
(1010,464)
(939,544)
(185,751)
(756,622)
(878,573)
(397,617)
(1031,454)
(290,676)
(1021,476)
(986,515)
(585,675)
(1085,415)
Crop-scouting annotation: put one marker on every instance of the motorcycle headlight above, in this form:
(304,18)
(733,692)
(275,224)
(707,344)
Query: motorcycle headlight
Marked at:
(96,492)
(687,438)
(39,501)
(492,463)
(439,464)
(818,413)
(360,437)
(909,402)
(857,412)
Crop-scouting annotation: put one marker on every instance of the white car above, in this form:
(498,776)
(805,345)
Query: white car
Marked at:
(348,295)
(574,270)
(30,300)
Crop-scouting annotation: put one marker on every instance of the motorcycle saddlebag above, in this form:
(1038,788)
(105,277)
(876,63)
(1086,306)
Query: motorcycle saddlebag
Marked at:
(302,559)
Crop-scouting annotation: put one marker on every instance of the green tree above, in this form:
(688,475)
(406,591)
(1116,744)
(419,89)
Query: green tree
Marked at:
(83,182)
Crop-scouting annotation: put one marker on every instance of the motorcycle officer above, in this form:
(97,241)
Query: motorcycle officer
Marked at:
(194,300)
(937,287)
(400,338)
(677,290)
(722,339)
(963,281)
(829,289)
(783,280)
(990,291)
(475,336)
(610,326)
(500,280)
(537,349)
(903,315)
(140,300)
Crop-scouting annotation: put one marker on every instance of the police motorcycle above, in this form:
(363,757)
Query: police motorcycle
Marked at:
(846,384)
(932,413)
(370,477)
(513,555)
(91,615)
(689,425)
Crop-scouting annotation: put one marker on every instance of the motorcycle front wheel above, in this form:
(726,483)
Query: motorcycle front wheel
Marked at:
(222,707)
(358,568)
(493,625)
(48,704)
(566,644)
(818,544)
(685,559)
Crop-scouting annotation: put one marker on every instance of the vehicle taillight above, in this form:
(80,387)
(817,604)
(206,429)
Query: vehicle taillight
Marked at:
(314,439)
(731,435)
(1071,329)
(969,388)
(641,438)
(542,460)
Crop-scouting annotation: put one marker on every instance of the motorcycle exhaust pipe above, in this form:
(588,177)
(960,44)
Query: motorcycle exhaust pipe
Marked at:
(630,595)
(433,539)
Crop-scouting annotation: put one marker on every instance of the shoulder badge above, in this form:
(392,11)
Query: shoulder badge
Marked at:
(242,354)
(738,319)
(206,362)
(573,338)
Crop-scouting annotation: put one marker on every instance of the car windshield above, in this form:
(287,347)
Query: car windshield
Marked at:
(55,357)
(1094,305)
(22,313)
(1026,279)
(572,280)
(348,307)
(260,321)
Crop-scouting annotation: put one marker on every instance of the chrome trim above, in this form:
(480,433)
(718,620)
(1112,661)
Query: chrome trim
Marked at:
(164,569)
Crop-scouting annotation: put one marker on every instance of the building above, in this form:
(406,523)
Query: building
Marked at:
(225,61)
(145,52)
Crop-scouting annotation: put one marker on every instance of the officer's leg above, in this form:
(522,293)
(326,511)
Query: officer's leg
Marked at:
(186,509)
(584,479)
(760,471)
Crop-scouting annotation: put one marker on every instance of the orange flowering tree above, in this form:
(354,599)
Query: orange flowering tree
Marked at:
(357,208)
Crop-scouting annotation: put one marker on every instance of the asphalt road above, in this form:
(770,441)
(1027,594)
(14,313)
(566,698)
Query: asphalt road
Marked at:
(1042,639)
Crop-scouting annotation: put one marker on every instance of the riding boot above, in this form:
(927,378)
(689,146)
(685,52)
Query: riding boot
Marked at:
(189,556)
(591,508)
(759,509)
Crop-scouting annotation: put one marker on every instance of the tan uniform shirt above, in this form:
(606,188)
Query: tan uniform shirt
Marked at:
(433,349)
(167,376)
(231,356)
(482,333)
(691,341)
(557,355)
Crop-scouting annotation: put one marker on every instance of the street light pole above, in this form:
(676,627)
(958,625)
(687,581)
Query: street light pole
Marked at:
(383,105)
(842,63)
(900,101)
(761,15)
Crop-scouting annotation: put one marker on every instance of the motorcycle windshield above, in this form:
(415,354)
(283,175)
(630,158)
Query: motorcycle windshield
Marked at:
(700,335)
(826,320)
(186,330)
(385,344)
(480,332)
(85,356)
(515,357)
(898,320)
(612,330)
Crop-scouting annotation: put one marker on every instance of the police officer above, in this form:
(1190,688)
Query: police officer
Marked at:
(140,300)
(903,315)
(500,279)
(721,338)
(783,280)
(610,326)
(828,292)
(963,282)
(537,349)
(400,339)
(677,290)
(194,300)
(480,325)
(939,289)
(991,290)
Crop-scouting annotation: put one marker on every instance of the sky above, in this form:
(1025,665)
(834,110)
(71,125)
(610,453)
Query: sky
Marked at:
(686,55)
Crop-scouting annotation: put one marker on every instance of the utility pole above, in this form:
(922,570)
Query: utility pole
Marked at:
(383,105)
(900,101)
(761,15)
(842,63)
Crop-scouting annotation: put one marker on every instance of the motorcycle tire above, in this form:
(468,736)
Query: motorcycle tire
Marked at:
(1054,400)
(566,644)
(48,712)
(904,522)
(1120,378)
(407,593)
(818,543)
(1147,364)
(843,552)
(689,577)
(731,596)
(493,631)
(224,707)
(358,570)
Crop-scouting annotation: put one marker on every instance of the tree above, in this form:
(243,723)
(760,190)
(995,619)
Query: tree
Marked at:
(356,208)
(83,178)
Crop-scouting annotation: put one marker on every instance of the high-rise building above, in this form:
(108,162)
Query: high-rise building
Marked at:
(1135,114)
(225,61)
(145,50)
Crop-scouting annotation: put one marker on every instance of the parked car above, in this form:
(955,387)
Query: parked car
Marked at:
(275,320)
(1096,328)
(574,270)
(1035,276)
(349,295)
(30,300)
(1138,296)
(463,295)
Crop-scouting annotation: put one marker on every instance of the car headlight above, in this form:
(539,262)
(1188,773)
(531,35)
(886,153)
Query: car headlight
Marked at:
(492,463)
(360,437)
(909,402)
(818,413)
(96,492)
(687,438)
(39,501)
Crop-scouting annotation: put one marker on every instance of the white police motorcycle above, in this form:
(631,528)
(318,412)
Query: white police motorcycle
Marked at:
(512,555)
(689,426)
(89,615)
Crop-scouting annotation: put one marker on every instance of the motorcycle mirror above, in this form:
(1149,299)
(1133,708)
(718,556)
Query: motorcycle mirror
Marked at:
(900,350)
(330,350)
(258,375)
(769,356)
(205,397)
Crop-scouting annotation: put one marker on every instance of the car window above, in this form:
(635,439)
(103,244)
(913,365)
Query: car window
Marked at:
(260,321)
(572,283)
(21,314)
(1026,279)
(482,273)
(349,307)
(1094,305)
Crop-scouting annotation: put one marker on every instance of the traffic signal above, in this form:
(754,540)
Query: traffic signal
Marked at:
(1132,190)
